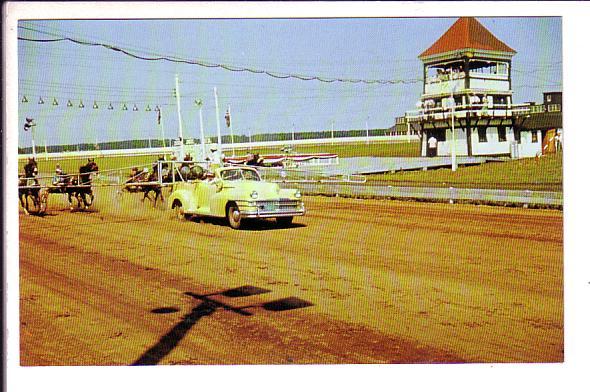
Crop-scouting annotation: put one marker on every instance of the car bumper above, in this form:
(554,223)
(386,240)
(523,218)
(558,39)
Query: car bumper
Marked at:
(271,209)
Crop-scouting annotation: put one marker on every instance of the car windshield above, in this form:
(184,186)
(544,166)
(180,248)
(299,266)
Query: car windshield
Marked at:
(240,174)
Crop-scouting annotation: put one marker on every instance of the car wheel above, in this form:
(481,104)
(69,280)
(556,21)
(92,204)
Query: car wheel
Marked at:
(178,210)
(285,221)
(234,217)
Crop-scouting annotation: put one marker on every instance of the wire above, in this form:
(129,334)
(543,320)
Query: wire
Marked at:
(276,75)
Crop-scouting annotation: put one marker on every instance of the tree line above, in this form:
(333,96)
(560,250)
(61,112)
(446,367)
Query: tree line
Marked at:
(225,139)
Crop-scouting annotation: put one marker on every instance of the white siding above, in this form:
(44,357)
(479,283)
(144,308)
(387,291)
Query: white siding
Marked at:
(527,148)
(493,146)
(444,148)
(489,84)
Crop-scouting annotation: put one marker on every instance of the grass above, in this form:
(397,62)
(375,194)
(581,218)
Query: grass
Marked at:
(543,174)
(382,149)
(71,166)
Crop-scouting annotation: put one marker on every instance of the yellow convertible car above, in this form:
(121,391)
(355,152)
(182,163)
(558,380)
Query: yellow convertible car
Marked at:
(236,193)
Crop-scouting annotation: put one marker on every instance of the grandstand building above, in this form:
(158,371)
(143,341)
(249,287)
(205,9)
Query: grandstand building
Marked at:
(467,91)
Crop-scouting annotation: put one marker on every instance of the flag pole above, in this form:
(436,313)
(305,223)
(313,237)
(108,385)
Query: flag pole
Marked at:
(179,119)
(217,113)
(33,141)
(161,122)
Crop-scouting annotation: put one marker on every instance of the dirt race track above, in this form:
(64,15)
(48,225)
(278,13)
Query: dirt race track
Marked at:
(353,281)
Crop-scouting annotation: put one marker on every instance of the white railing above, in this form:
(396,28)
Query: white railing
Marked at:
(225,147)
(437,113)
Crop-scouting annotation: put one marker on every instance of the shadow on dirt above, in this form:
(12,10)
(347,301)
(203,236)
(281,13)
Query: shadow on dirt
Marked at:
(165,310)
(248,224)
(208,305)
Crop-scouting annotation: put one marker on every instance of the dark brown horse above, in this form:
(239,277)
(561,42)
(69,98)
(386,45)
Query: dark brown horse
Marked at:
(148,183)
(81,186)
(32,197)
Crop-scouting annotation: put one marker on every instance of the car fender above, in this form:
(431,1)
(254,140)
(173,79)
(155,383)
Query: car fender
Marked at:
(222,198)
(186,197)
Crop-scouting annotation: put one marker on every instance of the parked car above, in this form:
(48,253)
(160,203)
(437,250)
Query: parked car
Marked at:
(236,193)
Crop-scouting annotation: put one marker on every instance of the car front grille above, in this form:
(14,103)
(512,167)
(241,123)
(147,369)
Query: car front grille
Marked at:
(277,205)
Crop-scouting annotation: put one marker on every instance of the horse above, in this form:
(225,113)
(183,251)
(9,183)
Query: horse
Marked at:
(81,187)
(147,183)
(33,199)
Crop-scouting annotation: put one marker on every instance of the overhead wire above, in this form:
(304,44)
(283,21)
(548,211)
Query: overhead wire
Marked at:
(228,67)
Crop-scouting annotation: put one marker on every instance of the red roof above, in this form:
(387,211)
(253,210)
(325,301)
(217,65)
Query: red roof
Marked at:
(465,33)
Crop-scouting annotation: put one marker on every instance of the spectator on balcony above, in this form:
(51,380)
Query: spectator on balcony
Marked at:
(432,146)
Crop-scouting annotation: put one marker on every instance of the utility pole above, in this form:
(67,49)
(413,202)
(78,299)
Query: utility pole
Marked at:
(179,120)
(332,131)
(200,105)
(293,134)
(217,117)
(453,145)
(30,125)
(161,118)
(367,128)
(33,141)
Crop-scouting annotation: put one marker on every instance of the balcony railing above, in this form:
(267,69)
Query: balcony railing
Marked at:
(537,109)
(542,108)
(479,110)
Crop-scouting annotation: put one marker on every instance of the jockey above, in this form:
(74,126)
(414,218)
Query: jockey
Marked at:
(133,175)
(58,178)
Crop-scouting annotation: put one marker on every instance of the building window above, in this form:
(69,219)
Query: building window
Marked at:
(502,68)
(535,138)
(483,134)
(502,134)
(517,135)
(440,134)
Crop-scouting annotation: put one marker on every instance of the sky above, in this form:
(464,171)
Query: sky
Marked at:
(356,48)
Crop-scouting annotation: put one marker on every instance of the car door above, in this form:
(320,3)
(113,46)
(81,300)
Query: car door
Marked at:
(205,191)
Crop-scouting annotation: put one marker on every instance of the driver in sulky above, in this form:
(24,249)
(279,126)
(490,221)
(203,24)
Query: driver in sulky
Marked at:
(59,178)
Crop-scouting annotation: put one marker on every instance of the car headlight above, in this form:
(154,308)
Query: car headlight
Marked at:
(254,195)
(297,194)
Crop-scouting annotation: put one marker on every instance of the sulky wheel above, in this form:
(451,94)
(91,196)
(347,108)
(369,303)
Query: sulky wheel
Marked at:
(43,196)
(32,204)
